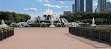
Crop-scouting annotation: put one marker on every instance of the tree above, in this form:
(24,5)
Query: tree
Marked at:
(10,17)
(101,18)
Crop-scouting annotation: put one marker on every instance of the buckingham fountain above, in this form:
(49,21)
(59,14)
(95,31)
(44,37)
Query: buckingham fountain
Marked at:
(50,20)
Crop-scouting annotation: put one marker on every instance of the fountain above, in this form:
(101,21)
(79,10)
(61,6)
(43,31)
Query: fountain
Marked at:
(65,22)
(3,24)
(48,21)
(52,22)
(93,22)
(20,24)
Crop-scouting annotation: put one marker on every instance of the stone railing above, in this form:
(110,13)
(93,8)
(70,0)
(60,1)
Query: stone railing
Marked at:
(100,35)
(6,32)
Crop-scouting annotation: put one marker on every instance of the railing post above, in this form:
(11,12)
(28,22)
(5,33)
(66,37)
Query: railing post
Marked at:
(99,35)
(110,37)
(1,31)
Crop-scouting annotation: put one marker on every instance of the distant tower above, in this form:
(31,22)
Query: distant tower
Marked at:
(79,5)
(73,8)
(108,6)
(89,5)
(101,6)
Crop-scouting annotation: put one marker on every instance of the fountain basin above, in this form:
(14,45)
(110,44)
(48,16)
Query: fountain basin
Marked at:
(3,24)
(93,25)
(52,26)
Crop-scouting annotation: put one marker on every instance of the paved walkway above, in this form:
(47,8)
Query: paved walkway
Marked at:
(45,38)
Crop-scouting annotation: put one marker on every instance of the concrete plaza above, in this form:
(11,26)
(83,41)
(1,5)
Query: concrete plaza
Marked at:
(48,38)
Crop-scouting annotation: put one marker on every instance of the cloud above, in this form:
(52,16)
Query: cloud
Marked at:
(33,15)
(43,1)
(55,6)
(30,9)
(66,6)
(61,2)
(52,6)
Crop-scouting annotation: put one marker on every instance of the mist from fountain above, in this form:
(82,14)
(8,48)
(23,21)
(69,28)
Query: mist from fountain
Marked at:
(3,24)
(52,22)
(93,22)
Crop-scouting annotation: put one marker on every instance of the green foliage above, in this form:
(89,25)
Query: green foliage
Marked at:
(98,27)
(101,18)
(10,17)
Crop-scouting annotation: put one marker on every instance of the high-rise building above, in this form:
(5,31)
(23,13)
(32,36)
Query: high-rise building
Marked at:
(108,6)
(67,12)
(73,8)
(101,6)
(79,5)
(89,5)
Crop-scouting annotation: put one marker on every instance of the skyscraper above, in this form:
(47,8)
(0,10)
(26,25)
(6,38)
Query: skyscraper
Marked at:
(101,6)
(79,5)
(73,8)
(89,5)
(108,6)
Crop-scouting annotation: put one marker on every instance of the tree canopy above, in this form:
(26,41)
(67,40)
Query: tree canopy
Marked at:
(86,17)
(10,17)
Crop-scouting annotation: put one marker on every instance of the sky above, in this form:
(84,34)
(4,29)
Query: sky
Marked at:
(36,8)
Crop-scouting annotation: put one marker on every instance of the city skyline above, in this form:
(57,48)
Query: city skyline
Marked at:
(37,7)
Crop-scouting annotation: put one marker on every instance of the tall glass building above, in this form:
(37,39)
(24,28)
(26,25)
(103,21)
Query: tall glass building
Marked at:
(89,5)
(108,6)
(79,5)
(101,6)
(73,8)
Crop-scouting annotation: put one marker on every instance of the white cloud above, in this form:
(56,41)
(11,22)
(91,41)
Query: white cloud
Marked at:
(33,15)
(66,6)
(30,9)
(52,6)
(55,6)
(47,1)
(43,1)
(61,2)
